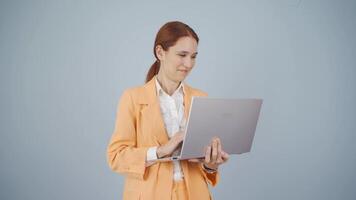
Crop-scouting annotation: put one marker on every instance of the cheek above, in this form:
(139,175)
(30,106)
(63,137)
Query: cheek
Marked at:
(176,64)
(174,60)
(178,61)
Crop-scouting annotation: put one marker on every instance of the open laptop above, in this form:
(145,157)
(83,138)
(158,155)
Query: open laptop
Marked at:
(234,121)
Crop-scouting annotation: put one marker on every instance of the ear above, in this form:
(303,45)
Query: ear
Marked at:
(160,52)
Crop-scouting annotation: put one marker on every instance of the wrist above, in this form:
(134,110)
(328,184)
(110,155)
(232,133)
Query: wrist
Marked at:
(160,153)
(210,168)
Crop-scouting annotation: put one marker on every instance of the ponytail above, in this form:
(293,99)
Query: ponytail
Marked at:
(153,71)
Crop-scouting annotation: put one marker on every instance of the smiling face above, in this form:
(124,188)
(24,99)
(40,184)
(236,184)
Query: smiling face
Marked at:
(178,60)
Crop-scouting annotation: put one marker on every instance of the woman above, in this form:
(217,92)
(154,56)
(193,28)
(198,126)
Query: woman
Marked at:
(150,123)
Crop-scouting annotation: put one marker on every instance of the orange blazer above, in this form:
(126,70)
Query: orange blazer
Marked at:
(138,126)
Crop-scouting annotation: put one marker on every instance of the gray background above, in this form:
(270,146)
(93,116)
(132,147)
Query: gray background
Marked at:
(64,65)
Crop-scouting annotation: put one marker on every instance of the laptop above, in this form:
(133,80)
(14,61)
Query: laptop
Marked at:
(234,121)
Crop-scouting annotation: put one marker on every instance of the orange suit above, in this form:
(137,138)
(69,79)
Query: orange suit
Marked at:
(138,126)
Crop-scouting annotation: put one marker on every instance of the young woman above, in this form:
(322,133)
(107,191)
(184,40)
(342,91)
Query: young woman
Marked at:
(150,123)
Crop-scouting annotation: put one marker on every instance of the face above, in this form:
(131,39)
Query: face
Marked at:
(178,60)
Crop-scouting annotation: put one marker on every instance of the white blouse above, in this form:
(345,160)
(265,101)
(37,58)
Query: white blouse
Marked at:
(172,110)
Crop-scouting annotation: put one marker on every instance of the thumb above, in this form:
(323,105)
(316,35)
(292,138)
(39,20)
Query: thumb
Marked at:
(194,160)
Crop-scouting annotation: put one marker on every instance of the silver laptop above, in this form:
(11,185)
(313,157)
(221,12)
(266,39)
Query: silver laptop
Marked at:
(234,121)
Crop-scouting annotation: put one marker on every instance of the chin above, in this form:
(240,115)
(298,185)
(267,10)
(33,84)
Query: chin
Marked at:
(181,78)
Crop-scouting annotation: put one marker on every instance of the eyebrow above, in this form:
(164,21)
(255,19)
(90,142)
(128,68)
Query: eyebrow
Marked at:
(187,52)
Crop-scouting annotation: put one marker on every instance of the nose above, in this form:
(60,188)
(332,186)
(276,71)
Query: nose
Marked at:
(188,62)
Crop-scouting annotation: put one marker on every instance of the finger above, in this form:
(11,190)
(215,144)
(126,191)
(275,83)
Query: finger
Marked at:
(219,159)
(179,137)
(194,160)
(225,156)
(208,154)
(215,151)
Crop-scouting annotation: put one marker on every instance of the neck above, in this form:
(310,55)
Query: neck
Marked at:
(168,85)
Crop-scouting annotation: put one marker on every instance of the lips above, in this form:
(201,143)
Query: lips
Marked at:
(184,71)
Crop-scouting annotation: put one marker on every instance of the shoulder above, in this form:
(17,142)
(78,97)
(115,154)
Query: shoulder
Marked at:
(133,93)
(134,90)
(195,91)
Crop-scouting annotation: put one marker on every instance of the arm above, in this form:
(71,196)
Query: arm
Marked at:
(214,157)
(157,152)
(123,155)
(211,176)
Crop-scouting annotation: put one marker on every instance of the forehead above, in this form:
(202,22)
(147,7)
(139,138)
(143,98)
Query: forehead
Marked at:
(185,44)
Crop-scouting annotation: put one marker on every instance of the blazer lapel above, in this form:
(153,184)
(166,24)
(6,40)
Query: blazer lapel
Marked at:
(152,112)
(187,100)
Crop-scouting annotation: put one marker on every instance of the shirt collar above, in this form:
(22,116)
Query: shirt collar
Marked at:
(159,89)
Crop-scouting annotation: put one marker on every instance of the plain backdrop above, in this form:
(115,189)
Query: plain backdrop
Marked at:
(64,65)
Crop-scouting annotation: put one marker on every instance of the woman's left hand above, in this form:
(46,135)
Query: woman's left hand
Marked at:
(214,155)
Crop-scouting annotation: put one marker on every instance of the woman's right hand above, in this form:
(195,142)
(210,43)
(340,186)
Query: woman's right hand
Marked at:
(171,145)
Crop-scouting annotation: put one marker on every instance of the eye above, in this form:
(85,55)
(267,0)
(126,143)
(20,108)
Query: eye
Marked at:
(182,55)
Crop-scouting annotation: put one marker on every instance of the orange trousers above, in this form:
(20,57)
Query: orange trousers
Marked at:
(179,191)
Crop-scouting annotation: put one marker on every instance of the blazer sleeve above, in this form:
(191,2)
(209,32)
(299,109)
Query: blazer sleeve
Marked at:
(123,155)
(211,178)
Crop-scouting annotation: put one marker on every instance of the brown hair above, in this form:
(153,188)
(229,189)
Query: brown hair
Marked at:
(167,36)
